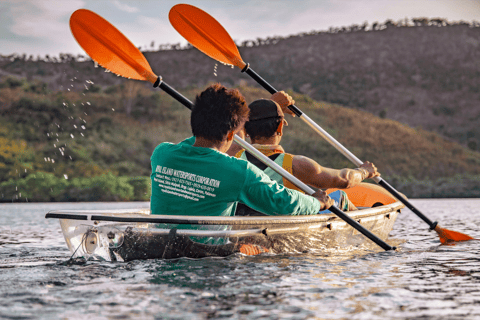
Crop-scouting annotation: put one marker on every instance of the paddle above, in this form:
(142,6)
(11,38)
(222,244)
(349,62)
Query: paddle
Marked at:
(208,36)
(113,51)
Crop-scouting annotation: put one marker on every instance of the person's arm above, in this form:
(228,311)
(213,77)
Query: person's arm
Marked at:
(259,192)
(311,173)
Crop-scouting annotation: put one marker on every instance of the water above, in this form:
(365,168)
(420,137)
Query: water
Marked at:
(422,281)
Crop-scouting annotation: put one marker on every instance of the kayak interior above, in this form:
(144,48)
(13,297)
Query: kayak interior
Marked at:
(123,235)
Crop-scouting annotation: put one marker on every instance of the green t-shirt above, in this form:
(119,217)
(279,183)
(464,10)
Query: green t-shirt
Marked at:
(196,181)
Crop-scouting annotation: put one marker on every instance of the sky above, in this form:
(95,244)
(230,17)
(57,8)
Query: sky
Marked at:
(40,27)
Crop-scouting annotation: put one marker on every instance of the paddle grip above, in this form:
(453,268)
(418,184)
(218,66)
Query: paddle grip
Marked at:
(268,87)
(407,203)
(385,246)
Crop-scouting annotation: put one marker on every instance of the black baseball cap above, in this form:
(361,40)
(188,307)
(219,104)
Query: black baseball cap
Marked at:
(264,109)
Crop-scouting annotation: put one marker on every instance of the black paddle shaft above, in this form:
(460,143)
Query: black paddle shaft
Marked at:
(407,203)
(361,229)
(173,93)
(268,87)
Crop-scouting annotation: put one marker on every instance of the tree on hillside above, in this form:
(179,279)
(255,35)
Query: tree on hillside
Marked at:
(129,94)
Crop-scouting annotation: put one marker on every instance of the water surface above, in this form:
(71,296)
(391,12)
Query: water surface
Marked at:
(423,280)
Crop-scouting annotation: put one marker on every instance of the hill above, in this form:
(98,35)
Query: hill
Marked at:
(426,75)
(59,145)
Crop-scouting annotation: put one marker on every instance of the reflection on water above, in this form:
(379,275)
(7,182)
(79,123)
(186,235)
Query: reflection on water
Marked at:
(421,280)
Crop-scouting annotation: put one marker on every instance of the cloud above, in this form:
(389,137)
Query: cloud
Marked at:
(41,19)
(124,7)
(145,29)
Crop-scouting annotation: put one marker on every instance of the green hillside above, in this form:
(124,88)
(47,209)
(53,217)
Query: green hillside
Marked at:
(96,144)
(426,75)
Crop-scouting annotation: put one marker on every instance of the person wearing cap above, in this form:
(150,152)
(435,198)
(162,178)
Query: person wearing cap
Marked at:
(265,129)
(196,177)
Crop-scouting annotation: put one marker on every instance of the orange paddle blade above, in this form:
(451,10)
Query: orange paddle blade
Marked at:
(109,47)
(366,195)
(205,33)
(449,236)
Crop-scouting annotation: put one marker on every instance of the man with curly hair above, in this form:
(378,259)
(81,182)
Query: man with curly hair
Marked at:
(196,177)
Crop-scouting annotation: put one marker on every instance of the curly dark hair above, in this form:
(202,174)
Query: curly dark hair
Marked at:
(217,111)
(262,128)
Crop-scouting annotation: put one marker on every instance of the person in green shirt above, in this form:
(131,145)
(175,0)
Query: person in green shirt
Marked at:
(197,178)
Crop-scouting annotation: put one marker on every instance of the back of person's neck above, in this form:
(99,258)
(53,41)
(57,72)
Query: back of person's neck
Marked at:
(206,143)
(273,140)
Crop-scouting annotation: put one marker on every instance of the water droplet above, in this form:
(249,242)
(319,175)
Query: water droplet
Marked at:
(66,177)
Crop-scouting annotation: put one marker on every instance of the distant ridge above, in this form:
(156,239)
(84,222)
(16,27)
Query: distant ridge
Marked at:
(422,72)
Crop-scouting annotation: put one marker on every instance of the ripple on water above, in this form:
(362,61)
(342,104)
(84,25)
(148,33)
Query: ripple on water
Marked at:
(421,280)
